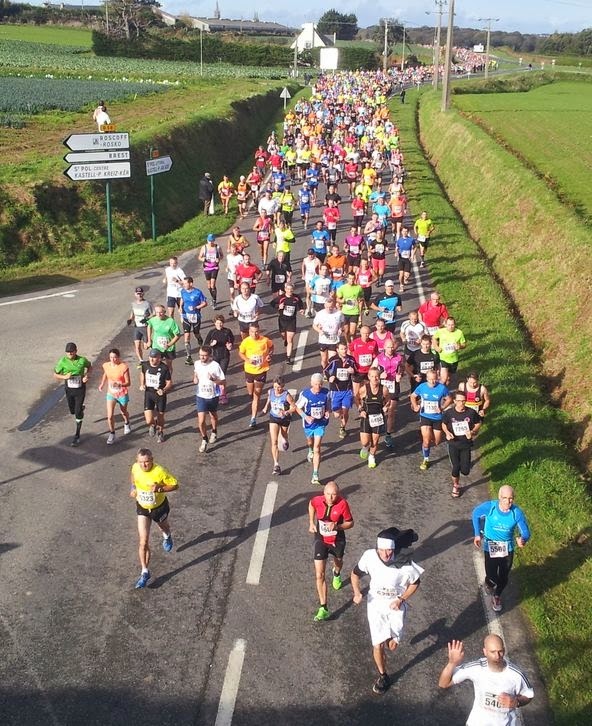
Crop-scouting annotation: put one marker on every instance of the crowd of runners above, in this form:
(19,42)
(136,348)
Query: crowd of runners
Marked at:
(339,152)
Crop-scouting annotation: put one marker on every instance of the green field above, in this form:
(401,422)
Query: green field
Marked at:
(50,34)
(550,128)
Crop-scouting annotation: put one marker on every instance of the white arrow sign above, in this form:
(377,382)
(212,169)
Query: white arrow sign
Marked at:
(89,142)
(157,166)
(85,172)
(81,157)
(285,93)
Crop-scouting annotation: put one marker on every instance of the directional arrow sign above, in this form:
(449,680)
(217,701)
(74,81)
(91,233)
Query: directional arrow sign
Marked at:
(285,93)
(157,166)
(88,142)
(81,157)
(86,172)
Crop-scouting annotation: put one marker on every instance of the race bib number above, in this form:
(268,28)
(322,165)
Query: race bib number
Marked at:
(206,390)
(331,338)
(74,382)
(337,272)
(379,249)
(262,236)
(405,254)
(192,317)
(277,409)
(460,428)
(449,348)
(331,225)
(248,316)
(375,420)
(426,365)
(389,385)
(342,374)
(162,342)
(366,359)
(433,329)
(431,407)
(497,549)
(152,380)
(324,530)
(388,592)
(115,387)
(317,412)
(387,315)
(256,360)
(145,499)
(491,702)
(289,310)
(279,278)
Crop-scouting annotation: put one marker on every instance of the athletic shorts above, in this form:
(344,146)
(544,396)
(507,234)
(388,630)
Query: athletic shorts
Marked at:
(153,401)
(256,377)
(384,622)
(282,422)
(287,324)
(121,400)
(360,377)
(139,333)
(158,514)
(243,326)
(452,367)
(322,550)
(211,274)
(191,327)
(327,346)
(315,430)
(425,244)
(342,399)
(435,424)
(365,427)
(404,264)
(206,405)
(354,260)
(351,318)
(173,302)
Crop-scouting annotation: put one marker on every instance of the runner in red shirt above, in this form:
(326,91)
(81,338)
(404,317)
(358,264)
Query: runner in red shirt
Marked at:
(363,350)
(329,516)
(331,217)
(433,313)
(261,157)
(247,272)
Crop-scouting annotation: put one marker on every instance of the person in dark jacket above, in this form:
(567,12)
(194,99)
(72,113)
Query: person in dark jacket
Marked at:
(206,190)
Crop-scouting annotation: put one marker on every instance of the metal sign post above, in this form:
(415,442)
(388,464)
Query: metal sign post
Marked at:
(156,164)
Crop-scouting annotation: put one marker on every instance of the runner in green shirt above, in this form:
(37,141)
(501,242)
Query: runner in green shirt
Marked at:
(74,370)
(162,333)
(447,342)
(350,297)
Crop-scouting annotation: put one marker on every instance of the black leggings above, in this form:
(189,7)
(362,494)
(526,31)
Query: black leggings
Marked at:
(75,398)
(497,571)
(460,459)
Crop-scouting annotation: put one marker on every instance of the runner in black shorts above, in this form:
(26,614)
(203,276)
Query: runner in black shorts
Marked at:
(155,381)
(288,305)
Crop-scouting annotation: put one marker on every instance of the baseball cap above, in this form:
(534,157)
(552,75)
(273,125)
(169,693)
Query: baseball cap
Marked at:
(154,352)
(71,348)
(311,251)
(139,289)
(208,175)
(211,237)
(389,282)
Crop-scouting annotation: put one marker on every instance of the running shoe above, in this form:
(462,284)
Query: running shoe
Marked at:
(342,432)
(151,430)
(322,614)
(253,423)
(276,469)
(422,264)
(111,438)
(160,437)
(371,462)
(310,455)
(336,582)
(314,480)
(425,465)
(488,587)
(199,340)
(388,441)
(290,360)
(382,684)
(213,438)
(189,361)
(363,453)
(139,366)
(203,446)
(143,580)
(127,429)
(75,441)
(167,543)
(496,604)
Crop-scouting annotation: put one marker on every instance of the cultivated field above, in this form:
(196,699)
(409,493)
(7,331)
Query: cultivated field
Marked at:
(550,128)
(54,35)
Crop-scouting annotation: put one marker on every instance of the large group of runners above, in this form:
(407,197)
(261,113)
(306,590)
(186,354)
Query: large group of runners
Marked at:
(349,284)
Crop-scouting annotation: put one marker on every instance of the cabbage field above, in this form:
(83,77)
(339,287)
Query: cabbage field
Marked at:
(32,95)
(77,62)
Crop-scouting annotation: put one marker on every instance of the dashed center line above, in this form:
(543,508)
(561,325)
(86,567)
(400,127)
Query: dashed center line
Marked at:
(66,293)
(258,554)
(299,356)
(231,683)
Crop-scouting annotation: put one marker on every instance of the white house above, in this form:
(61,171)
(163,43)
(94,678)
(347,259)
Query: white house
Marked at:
(309,37)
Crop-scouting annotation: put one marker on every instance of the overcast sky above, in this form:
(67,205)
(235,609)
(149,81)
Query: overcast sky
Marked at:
(527,16)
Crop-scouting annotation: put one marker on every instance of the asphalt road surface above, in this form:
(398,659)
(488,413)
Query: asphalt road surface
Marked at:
(224,633)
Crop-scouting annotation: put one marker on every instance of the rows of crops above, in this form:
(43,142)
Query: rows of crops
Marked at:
(32,95)
(73,61)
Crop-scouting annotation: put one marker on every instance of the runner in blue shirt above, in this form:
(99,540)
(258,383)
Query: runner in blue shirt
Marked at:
(321,240)
(406,251)
(382,209)
(192,302)
(429,399)
(387,305)
(304,200)
(494,525)
(314,407)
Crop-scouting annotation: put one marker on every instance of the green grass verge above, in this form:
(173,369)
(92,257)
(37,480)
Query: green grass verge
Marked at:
(524,443)
(50,34)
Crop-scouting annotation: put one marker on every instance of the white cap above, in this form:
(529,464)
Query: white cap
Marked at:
(383,543)
(389,282)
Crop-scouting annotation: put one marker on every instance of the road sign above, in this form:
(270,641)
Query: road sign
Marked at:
(82,157)
(285,93)
(88,142)
(86,172)
(158,165)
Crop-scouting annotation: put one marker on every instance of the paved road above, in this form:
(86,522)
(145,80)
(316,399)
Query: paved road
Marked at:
(81,646)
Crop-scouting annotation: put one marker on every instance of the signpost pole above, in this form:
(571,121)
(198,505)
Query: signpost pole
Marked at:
(109,225)
(152,212)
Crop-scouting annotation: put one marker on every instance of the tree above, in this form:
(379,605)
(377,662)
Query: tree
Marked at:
(394,31)
(130,18)
(345,27)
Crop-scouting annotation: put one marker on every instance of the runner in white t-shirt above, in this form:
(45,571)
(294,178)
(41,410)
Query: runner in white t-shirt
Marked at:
(173,278)
(394,578)
(329,324)
(207,375)
(246,308)
(501,688)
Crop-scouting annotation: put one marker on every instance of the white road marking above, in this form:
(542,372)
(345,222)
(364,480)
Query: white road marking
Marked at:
(300,348)
(68,293)
(231,683)
(420,290)
(258,554)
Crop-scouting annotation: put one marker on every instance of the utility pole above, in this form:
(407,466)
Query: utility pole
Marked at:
(436,76)
(384,55)
(488,21)
(295,72)
(448,60)
(403,52)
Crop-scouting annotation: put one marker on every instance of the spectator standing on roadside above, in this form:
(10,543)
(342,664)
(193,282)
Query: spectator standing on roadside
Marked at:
(206,191)
(101,116)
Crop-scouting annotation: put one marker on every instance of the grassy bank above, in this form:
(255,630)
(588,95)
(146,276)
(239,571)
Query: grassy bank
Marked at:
(523,443)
